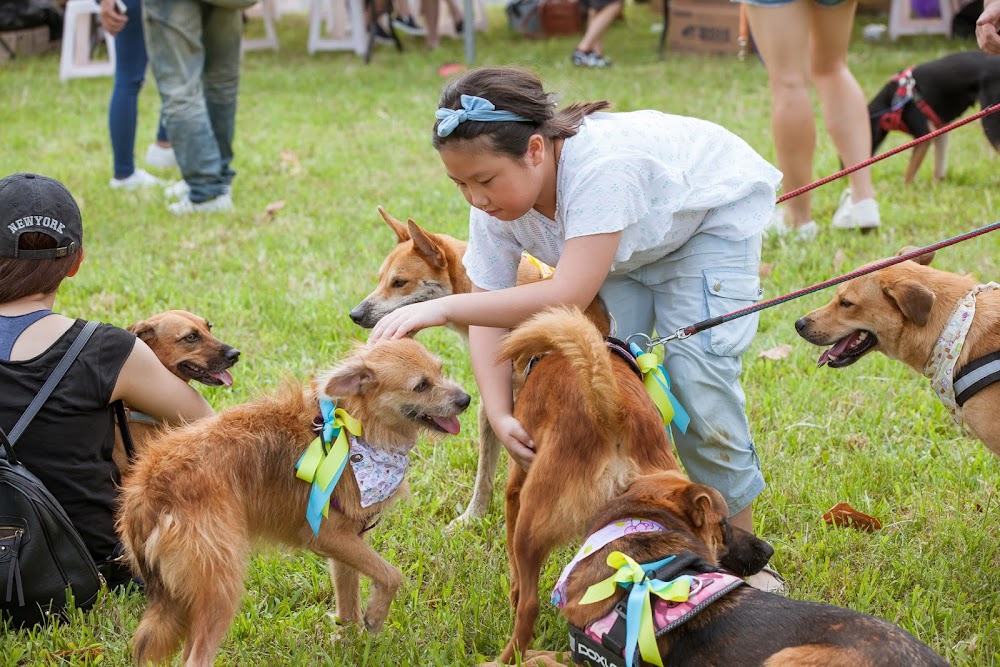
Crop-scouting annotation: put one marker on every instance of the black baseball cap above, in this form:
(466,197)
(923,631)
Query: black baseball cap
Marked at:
(35,203)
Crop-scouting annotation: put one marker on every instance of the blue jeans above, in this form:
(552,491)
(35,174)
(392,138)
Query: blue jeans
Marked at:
(194,48)
(706,277)
(130,72)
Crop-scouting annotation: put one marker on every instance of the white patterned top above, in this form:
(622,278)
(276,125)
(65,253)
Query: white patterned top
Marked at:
(653,176)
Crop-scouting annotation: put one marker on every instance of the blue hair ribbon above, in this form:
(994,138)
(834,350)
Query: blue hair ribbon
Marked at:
(473,108)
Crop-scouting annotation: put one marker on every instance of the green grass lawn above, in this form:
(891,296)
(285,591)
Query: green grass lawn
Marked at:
(332,138)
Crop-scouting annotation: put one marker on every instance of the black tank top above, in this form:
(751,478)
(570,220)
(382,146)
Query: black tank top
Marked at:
(69,442)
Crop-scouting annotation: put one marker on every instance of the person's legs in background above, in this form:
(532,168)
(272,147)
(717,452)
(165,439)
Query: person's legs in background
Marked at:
(590,49)
(176,40)
(781,33)
(123,110)
(221,78)
(845,109)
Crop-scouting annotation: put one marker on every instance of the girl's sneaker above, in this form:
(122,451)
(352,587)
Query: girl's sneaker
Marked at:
(160,157)
(222,203)
(139,179)
(861,215)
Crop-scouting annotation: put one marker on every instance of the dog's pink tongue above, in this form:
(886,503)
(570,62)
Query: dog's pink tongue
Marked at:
(225,377)
(837,350)
(449,424)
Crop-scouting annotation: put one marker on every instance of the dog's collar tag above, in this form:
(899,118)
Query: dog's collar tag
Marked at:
(598,539)
(324,460)
(940,367)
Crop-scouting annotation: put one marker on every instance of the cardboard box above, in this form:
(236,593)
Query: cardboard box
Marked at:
(699,27)
(27,42)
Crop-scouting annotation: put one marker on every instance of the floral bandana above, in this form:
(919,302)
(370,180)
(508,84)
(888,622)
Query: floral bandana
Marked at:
(601,538)
(379,472)
(940,367)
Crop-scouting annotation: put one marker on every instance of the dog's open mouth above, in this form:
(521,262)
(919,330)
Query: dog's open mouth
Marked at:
(205,376)
(434,422)
(848,349)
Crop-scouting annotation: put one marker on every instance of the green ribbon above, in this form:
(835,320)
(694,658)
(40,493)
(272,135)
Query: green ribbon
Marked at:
(639,628)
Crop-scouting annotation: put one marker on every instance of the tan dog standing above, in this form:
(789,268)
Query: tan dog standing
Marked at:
(203,493)
(184,344)
(901,311)
(425,266)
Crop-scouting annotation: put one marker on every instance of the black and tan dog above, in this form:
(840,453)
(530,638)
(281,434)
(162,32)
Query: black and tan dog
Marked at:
(184,344)
(742,627)
(921,99)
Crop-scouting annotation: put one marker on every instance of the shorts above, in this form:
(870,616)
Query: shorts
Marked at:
(706,277)
(779,3)
(598,5)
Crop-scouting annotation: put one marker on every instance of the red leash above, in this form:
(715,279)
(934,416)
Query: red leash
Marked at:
(861,165)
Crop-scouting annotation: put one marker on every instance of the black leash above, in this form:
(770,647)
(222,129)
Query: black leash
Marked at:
(688,331)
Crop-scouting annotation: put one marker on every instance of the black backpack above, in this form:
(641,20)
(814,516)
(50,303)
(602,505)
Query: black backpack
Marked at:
(42,556)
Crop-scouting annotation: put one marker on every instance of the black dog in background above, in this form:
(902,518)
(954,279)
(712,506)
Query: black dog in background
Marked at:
(921,99)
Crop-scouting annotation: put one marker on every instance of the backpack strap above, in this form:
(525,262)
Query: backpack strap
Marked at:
(122,419)
(50,384)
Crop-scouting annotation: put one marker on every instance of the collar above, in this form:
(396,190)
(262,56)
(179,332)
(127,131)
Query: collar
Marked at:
(595,541)
(940,366)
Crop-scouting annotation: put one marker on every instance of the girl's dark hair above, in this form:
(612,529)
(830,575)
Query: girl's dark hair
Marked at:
(24,277)
(517,90)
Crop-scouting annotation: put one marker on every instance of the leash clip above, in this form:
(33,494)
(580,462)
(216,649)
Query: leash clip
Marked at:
(679,334)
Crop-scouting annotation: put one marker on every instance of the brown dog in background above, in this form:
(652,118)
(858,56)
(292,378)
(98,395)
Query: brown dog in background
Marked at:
(595,430)
(900,311)
(745,626)
(203,493)
(184,344)
(425,266)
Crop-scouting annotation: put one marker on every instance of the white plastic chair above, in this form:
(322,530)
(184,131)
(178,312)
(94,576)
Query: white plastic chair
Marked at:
(74,61)
(903,22)
(345,20)
(268,11)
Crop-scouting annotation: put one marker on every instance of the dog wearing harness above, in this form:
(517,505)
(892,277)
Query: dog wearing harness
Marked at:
(919,99)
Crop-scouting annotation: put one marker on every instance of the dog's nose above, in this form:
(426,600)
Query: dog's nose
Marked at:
(800,324)
(232,354)
(463,400)
(358,314)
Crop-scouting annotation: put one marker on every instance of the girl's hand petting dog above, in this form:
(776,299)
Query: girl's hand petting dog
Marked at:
(411,319)
(515,439)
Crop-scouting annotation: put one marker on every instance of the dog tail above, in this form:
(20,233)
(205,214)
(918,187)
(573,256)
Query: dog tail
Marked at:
(566,331)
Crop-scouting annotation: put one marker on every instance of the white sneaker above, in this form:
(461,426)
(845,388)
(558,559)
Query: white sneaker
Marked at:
(777,226)
(178,190)
(139,179)
(220,204)
(858,215)
(158,156)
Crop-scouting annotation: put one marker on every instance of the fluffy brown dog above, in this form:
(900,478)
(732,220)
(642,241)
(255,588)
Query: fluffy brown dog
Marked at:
(595,430)
(744,626)
(901,311)
(203,493)
(425,266)
(183,342)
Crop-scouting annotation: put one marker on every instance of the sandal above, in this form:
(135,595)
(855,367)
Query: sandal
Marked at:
(769,581)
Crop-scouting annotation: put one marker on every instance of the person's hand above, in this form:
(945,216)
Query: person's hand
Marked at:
(111,19)
(515,439)
(410,319)
(987,27)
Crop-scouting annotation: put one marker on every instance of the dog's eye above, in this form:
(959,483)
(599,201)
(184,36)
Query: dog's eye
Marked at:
(844,303)
(423,385)
(399,282)
(191,337)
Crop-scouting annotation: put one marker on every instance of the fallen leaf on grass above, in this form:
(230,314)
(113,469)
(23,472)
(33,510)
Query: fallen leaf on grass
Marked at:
(764,270)
(777,353)
(290,162)
(273,208)
(845,516)
(838,260)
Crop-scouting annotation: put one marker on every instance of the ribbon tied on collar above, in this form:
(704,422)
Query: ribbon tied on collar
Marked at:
(473,108)
(657,382)
(324,460)
(639,629)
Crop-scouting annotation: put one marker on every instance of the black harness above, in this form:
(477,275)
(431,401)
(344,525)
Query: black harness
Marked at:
(615,346)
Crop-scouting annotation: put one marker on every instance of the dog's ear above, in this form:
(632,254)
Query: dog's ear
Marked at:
(349,378)
(913,299)
(399,228)
(425,245)
(143,330)
(699,505)
(924,259)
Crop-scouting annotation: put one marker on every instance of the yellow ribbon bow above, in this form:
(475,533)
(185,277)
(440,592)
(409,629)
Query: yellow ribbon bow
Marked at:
(322,466)
(656,384)
(639,628)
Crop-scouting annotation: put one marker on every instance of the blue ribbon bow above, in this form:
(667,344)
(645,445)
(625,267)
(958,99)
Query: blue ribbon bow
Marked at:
(680,417)
(473,108)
